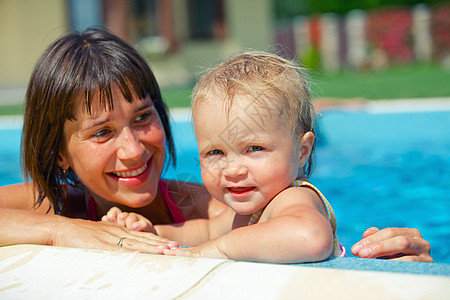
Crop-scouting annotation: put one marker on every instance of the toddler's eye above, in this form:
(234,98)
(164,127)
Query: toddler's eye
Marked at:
(215,152)
(255,148)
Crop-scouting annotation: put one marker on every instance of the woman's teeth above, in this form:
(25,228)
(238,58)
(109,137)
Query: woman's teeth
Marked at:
(131,173)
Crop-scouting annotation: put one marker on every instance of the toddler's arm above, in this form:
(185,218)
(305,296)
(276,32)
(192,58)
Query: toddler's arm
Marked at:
(292,230)
(195,232)
(129,220)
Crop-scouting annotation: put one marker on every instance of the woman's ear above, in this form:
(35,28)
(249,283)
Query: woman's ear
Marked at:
(63,163)
(305,146)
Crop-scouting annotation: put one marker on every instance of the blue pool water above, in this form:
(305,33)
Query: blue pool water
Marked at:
(376,169)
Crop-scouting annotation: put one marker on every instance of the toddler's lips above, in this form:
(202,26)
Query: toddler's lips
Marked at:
(240,191)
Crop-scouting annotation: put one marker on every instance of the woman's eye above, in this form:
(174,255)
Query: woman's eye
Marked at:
(215,152)
(101,133)
(255,148)
(144,117)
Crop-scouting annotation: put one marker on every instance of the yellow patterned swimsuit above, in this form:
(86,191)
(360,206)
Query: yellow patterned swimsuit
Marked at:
(339,249)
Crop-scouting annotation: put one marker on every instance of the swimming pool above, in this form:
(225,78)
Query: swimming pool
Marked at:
(376,168)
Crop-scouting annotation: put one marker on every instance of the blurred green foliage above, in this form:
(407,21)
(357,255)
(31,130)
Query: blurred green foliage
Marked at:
(11,109)
(403,81)
(311,59)
(407,81)
(288,9)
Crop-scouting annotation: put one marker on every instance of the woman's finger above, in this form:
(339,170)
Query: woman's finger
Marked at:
(397,245)
(394,243)
(373,236)
(370,231)
(135,245)
(414,258)
(144,237)
(107,236)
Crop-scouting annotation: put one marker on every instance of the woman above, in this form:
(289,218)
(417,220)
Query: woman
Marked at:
(96,135)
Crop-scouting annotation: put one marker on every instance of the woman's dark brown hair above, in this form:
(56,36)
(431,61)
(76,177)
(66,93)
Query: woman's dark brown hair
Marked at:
(77,67)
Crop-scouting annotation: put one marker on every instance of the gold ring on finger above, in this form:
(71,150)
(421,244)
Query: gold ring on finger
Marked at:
(120,242)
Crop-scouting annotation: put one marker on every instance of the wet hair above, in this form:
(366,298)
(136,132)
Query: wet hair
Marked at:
(72,72)
(269,80)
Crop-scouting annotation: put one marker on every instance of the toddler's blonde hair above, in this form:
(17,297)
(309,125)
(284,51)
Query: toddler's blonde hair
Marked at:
(267,79)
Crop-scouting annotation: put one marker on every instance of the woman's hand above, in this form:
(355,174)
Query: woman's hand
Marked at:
(108,236)
(403,244)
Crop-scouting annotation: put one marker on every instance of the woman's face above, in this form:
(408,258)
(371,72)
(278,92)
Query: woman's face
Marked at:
(117,154)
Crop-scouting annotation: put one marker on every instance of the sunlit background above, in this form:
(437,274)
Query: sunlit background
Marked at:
(368,49)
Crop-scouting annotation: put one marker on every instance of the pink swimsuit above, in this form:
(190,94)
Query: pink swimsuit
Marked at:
(175,213)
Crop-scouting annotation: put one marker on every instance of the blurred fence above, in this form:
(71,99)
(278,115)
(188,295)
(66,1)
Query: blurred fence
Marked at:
(369,39)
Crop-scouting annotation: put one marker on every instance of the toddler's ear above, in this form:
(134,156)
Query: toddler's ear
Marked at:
(305,146)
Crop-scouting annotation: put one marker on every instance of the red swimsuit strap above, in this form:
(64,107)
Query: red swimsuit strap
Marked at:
(175,212)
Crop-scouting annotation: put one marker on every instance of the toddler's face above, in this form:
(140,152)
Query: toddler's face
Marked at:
(247,157)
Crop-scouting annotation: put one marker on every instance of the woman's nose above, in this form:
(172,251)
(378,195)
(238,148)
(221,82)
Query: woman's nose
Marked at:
(130,145)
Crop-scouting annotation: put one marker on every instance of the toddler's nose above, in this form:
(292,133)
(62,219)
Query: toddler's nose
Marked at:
(234,168)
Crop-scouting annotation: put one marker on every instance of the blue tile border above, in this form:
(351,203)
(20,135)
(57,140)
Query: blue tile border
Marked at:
(351,263)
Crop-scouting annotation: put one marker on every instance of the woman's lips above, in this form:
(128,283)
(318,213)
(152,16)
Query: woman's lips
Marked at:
(133,173)
(133,177)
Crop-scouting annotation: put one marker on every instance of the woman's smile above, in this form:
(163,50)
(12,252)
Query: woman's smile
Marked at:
(133,177)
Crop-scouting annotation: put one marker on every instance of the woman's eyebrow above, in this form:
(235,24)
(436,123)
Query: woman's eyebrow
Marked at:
(93,124)
(145,106)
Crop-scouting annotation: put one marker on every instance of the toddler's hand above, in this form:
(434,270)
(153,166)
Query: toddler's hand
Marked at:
(208,249)
(189,252)
(129,220)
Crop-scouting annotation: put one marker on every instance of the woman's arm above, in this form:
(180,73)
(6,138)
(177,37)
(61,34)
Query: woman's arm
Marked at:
(28,227)
(404,244)
(22,196)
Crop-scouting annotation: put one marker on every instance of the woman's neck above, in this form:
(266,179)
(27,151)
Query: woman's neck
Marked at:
(156,211)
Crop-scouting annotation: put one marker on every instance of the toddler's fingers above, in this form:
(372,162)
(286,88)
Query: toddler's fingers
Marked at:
(111,215)
(131,219)
(181,252)
(122,218)
(175,252)
(173,244)
(142,225)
